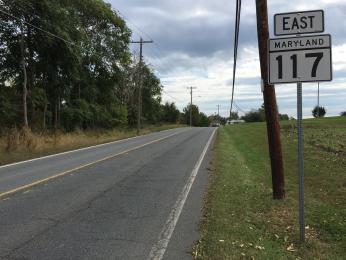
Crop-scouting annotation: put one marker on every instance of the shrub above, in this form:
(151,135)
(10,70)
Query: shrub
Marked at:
(254,116)
(319,112)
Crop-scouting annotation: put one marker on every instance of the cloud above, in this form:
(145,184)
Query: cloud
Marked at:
(193,47)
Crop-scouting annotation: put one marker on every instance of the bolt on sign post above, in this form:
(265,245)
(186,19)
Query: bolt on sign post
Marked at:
(296,60)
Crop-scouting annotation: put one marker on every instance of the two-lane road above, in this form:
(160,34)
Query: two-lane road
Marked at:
(138,198)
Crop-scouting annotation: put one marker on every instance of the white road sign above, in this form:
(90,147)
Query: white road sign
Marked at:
(300,59)
(299,22)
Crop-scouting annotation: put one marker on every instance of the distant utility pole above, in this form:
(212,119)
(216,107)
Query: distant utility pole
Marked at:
(140,82)
(191,93)
(271,110)
(218,110)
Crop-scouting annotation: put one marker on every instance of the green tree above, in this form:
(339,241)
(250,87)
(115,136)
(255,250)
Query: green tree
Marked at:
(170,113)
(198,118)
(283,117)
(255,115)
(234,116)
(319,112)
(90,64)
(151,96)
(203,120)
(195,115)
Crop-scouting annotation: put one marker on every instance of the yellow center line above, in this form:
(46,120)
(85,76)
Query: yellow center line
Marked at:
(24,187)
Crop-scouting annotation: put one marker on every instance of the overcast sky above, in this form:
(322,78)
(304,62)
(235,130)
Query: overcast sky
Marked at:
(194,47)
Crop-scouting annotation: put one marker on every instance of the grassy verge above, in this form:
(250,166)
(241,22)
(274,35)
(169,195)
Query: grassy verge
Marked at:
(242,221)
(24,145)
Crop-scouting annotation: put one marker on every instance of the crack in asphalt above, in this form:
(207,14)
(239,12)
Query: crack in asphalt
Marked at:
(56,223)
(92,205)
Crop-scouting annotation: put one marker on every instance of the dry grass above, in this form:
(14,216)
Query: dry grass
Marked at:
(19,145)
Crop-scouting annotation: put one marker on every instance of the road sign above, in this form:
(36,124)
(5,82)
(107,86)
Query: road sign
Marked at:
(300,59)
(296,60)
(299,22)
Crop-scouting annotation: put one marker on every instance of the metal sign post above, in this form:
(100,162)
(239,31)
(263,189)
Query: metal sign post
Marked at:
(300,160)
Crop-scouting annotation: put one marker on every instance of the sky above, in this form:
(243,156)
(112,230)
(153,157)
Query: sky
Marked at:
(193,46)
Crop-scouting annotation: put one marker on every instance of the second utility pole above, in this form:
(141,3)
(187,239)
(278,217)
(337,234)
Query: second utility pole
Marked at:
(139,101)
(271,109)
(191,92)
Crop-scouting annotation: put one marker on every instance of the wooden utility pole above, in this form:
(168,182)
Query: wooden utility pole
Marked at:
(271,110)
(25,80)
(191,93)
(139,101)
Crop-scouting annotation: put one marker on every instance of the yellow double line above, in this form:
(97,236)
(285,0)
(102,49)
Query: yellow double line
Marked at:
(24,187)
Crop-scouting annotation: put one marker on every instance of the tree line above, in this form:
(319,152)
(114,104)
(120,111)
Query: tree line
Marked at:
(67,64)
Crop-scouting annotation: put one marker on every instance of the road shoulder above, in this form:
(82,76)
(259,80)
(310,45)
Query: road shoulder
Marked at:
(186,230)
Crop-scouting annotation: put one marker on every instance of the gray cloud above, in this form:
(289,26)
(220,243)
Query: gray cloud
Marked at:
(194,41)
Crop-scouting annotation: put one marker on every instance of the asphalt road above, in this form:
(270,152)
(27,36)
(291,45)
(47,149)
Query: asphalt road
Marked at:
(139,198)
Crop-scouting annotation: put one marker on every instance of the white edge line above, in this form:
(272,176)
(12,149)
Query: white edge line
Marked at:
(82,149)
(159,248)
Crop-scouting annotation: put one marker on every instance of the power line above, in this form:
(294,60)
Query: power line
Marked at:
(239,108)
(156,52)
(171,96)
(21,9)
(36,27)
(236,40)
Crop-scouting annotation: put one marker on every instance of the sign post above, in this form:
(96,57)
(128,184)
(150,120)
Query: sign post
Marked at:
(296,60)
(300,160)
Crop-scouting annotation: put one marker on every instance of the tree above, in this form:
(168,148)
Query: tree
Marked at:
(203,120)
(82,78)
(283,117)
(217,119)
(170,113)
(319,112)
(90,65)
(195,115)
(151,96)
(198,118)
(343,113)
(234,116)
(253,116)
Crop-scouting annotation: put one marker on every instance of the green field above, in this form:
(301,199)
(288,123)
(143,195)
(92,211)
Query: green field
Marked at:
(241,221)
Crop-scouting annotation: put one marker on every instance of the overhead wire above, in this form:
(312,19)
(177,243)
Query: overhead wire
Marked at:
(239,108)
(156,52)
(36,27)
(171,96)
(236,41)
(22,9)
